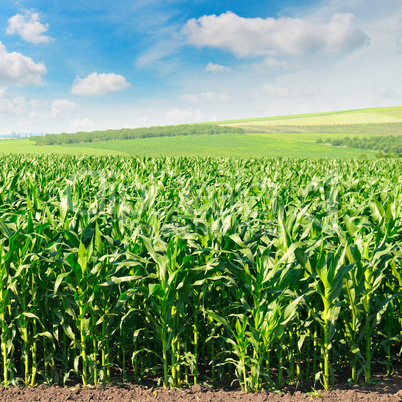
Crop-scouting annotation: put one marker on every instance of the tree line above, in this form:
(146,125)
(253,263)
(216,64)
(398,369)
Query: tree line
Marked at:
(388,144)
(129,134)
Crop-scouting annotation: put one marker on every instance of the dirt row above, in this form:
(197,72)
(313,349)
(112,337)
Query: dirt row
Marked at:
(382,389)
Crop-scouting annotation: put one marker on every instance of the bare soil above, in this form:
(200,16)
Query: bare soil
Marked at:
(383,389)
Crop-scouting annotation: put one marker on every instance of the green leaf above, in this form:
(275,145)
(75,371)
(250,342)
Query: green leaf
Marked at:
(350,226)
(117,280)
(217,318)
(58,281)
(5,229)
(82,257)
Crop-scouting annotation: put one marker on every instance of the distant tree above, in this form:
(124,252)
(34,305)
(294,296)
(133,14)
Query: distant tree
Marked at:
(145,132)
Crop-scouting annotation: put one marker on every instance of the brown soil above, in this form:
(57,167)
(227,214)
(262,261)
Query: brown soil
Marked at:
(384,389)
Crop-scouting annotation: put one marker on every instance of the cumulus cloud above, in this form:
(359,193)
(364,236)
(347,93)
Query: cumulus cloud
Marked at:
(38,116)
(216,68)
(63,107)
(209,96)
(3,92)
(276,92)
(8,106)
(19,69)
(16,105)
(270,37)
(177,116)
(28,27)
(99,84)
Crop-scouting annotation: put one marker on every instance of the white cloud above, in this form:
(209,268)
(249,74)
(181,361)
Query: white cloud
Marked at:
(38,116)
(28,27)
(82,124)
(17,104)
(177,116)
(191,98)
(213,96)
(209,96)
(284,36)
(99,84)
(273,91)
(273,64)
(35,103)
(216,68)
(8,106)
(19,69)
(3,92)
(63,107)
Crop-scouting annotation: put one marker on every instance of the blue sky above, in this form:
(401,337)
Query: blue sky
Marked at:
(86,65)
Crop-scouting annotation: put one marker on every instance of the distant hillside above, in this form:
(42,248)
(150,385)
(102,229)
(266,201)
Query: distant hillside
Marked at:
(292,136)
(372,128)
(362,121)
(130,134)
(347,115)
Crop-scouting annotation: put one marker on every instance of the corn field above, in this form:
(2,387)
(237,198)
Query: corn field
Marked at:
(263,272)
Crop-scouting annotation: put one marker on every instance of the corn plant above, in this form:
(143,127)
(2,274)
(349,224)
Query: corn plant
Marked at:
(265,271)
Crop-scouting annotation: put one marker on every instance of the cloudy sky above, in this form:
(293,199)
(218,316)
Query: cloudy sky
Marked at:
(98,64)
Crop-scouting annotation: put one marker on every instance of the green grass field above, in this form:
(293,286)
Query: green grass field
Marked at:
(386,111)
(241,146)
(26,146)
(284,136)
(352,118)
(366,121)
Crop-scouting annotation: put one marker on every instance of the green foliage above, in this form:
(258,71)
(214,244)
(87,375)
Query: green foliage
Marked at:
(264,271)
(127,134)
(388,144)
(228,145)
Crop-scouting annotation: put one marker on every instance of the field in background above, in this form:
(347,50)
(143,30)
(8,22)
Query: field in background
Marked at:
(252,145)
(284,136)
(26,146)
(347,114)
(346,118)
(240,146)
(379,121)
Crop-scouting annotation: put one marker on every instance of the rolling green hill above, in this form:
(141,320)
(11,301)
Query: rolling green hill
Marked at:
(364,121)
(285,136)
(229,145)
(347,115)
